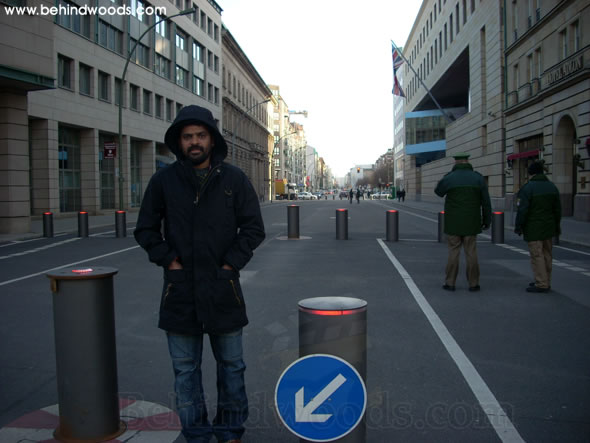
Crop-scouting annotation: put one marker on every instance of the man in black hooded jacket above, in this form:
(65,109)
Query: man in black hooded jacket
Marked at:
(212,224)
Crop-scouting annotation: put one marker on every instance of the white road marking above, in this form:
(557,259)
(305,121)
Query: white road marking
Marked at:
(496,415)
(7,282)
(40,248)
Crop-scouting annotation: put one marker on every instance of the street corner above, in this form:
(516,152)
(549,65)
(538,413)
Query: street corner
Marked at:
(156,423)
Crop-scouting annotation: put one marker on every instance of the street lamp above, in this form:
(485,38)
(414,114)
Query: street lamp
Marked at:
(121,178)
(233,136)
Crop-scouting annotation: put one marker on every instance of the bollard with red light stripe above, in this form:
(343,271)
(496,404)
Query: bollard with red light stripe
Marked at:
(48,224)
(497,227)
(441,227)
(293,221)
(391,225)
(336,326)
(120,224)
(85,354)
(341,224)
(82,224)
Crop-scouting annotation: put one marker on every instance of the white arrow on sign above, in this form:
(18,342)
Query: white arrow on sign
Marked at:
(305,413)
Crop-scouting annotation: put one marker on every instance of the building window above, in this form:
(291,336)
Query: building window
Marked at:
(134,97)
(147,102)
(516,78)
(161,28)
(64,70)
(162,66)
(451,28)
(198,86)
(210,92)
(198,52)
(575,28)
(196,15)
(104,86)
(138,11)
(216,64)
(118,92)
(178,107)
(203,21)
(110,37)
(181,77)
(216,98)
(563,44)
(141,55)
(515,20)
(538,63)
(457,17)
(69,170)
(158,106)
(169,115)
(85,80)
(73,21)
(445,36)
(464,11)
(210,27)
(181,41)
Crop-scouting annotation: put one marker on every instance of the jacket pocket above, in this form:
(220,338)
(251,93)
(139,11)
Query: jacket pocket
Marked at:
(177,306)
(227,294)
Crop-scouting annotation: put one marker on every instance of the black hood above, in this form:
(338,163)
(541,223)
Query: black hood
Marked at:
(191,115)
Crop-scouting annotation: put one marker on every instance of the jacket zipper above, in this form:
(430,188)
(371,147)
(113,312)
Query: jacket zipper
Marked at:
(203,185)
(235,292)
(167,292)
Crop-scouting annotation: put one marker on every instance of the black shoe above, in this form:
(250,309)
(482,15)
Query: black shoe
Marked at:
(537,289)
(532,284)
(474,288)
(448,288)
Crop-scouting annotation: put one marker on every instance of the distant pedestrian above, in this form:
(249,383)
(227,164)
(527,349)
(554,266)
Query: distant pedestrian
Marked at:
(539,219)
(358,196)
(467,210)
(398,194)
(212,224)
(402,193)
(351,195)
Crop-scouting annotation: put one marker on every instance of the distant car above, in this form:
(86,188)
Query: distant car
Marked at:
(343,194)
(306,196)
(381,195)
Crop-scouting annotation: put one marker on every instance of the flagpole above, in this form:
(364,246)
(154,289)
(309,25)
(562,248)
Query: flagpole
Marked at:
(449,120)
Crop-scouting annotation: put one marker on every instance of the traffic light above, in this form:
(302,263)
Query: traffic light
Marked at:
(358,170)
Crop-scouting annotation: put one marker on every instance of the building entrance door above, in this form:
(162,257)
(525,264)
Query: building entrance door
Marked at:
(564,169)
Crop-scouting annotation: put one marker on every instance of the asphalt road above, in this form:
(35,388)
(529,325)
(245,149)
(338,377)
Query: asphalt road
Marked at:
(498,365)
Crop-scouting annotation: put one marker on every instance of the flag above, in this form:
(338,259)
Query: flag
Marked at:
(397,59)
(397,62)
(396,88)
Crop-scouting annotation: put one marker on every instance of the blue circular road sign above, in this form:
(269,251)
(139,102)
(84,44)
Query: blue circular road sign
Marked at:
(320,397)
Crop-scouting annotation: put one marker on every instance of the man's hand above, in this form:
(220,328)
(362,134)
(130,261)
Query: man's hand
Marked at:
(174,265)
(485,227)
(227,267)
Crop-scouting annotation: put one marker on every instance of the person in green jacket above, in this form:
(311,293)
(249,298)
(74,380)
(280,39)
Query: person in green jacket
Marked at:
(539,218)
(467,210)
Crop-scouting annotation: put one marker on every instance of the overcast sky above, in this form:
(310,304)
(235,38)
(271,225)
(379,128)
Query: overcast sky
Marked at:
(333,59)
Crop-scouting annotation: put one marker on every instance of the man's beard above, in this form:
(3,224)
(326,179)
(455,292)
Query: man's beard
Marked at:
(197,159)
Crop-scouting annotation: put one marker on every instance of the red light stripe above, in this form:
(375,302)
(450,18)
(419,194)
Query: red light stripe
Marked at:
(498,213)
(334,311)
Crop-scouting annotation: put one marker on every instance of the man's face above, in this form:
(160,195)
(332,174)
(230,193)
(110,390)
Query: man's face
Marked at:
(196,144)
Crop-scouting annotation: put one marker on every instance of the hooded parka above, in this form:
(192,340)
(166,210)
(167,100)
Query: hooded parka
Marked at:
(205,227)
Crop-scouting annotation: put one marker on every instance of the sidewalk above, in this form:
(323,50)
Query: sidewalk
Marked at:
(572,231)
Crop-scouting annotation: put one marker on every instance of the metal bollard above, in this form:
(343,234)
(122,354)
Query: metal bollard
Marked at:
(82,224)
(497,227)
(48,224)
(336,326)
(441,226)
(293,221)
(341,224)
(392,226)
(86,359)
(121,224)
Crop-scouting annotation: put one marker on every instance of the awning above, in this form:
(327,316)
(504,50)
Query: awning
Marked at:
(533,153)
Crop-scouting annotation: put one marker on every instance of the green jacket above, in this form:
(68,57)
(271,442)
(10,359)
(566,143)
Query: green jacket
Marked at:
(539,209)
(467,202)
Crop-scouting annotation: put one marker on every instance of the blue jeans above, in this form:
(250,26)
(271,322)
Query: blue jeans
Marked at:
(232,404)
